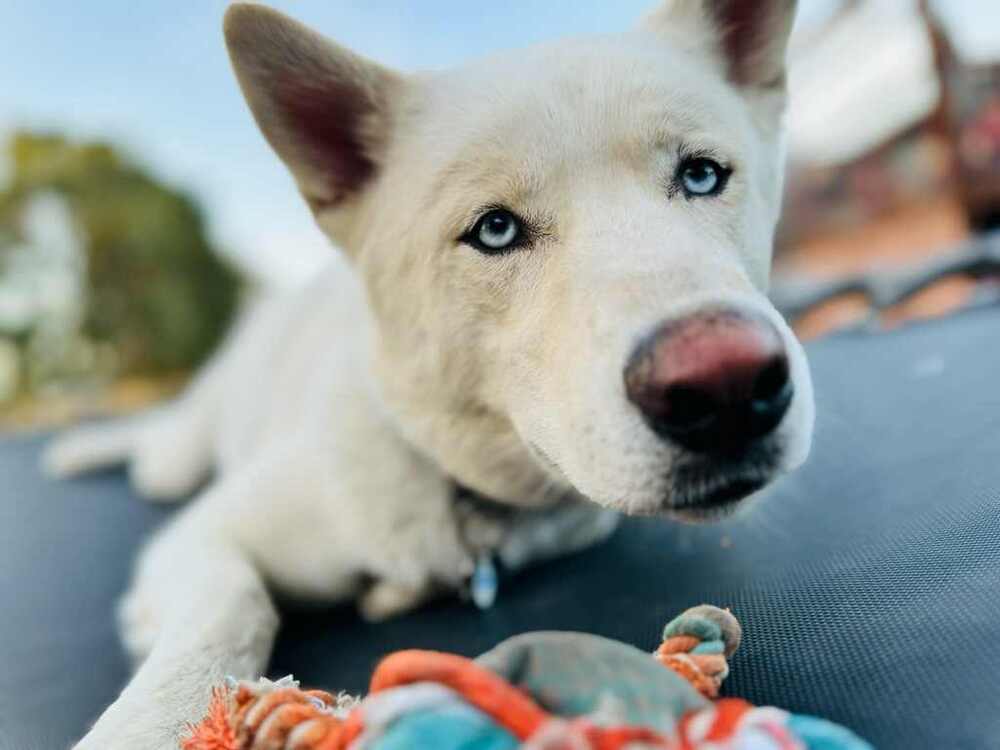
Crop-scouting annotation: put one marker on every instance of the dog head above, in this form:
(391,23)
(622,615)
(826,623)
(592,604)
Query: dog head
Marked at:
(566,249)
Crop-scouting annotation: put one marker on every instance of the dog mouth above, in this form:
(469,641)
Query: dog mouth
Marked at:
(717,504)
(703,491)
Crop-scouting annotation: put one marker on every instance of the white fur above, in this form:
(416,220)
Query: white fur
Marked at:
(337,419)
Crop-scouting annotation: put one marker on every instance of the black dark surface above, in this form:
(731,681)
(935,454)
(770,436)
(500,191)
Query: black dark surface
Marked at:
(868,583)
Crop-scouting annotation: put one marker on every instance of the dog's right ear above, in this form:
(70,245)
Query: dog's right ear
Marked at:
(325,110)
(750,36)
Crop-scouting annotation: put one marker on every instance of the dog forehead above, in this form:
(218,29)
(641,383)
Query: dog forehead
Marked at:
(575,94)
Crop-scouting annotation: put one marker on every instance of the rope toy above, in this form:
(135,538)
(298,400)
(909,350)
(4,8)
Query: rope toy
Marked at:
(424,699)
(698,644)
(265,714)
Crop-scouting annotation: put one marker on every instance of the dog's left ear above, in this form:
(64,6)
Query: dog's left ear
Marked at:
(325,110)
(749,36)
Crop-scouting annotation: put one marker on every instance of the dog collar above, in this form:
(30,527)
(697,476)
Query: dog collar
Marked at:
(479,521)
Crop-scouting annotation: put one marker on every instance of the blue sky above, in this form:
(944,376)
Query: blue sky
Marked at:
(153,75)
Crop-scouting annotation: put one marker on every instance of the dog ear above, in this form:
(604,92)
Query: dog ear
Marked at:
(324,109)
(750,36)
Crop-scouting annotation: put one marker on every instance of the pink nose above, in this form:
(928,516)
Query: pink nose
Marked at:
(714,382)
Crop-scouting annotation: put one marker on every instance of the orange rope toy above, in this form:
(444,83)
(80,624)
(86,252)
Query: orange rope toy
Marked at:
(427,700)
(279,716)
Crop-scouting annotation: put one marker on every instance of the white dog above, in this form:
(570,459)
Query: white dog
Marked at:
(557,271)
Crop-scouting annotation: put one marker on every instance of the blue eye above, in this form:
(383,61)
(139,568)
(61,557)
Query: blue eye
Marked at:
(700,177)
(497,231)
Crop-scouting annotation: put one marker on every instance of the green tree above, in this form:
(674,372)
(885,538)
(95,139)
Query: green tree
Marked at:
(156,291)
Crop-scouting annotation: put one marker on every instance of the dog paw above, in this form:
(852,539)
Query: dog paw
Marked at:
(60,459)
(139,622)
(84,449)
(156,479)
(167,465)
(386,599)
(96,743)
(128,726)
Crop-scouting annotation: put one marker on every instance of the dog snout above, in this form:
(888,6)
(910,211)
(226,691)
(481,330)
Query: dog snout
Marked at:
(713,382)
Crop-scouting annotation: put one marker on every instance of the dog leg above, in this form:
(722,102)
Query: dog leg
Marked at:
(218,621)
(305,520)
(169,449)
(90,447)
(198,609)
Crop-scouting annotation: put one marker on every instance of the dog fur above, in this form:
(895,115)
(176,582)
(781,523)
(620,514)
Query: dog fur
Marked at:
(337,420)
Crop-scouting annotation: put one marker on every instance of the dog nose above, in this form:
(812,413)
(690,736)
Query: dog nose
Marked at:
(713,382)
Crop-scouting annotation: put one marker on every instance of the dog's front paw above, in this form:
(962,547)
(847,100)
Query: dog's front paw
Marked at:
(140,619)
(158,479)
(131,725)
(386,599)
(126,743)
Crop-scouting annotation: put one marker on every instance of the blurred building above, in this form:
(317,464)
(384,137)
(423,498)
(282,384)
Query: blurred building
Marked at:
(894,152)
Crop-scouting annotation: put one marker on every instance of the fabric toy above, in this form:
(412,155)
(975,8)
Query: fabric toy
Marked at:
(540,691)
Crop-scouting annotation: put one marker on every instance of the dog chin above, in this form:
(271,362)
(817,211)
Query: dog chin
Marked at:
(716,506)
(705,490)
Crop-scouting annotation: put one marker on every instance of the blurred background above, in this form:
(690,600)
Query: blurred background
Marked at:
(139,204)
